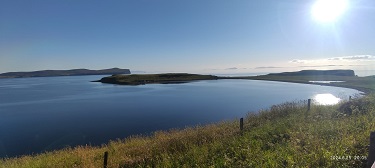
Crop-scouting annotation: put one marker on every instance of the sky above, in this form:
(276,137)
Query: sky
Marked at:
(196,36)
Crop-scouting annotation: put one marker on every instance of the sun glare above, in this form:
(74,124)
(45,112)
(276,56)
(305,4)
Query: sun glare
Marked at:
(326,99)
(328,10)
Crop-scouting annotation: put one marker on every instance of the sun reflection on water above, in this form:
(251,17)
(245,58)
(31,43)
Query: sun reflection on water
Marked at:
(326,99)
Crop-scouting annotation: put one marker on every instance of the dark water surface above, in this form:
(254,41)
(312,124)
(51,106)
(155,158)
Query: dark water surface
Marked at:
(43,114)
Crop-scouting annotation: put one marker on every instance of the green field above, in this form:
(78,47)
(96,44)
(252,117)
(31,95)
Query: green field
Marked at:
(284,135)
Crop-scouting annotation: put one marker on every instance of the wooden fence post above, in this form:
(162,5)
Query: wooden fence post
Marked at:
(308,104)
(105,159)
(371,152)
(241,124)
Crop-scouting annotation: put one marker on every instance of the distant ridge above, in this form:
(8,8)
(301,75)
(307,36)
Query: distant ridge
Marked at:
(72,72)
(316,72)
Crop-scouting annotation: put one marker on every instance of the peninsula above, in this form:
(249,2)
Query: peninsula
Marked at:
(155,78)
(339,78)
(72,72)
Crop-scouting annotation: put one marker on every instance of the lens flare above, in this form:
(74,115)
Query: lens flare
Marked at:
(328,10)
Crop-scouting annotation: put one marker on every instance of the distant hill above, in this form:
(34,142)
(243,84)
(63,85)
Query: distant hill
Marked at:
(316,72)
(72,72)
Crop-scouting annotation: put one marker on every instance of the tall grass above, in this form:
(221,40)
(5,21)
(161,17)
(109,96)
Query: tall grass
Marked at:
(285,135)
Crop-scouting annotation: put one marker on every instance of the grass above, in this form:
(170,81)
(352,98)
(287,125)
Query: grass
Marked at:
(285,135)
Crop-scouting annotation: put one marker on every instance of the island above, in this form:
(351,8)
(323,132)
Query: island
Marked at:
(167,78)
(72,72)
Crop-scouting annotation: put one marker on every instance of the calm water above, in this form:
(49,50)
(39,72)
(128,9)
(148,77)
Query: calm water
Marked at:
(41,114)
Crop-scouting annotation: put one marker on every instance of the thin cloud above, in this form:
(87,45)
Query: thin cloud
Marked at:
(221,69)
(353,58)
(234,68)
(298,61)
(314,66)
(268,67)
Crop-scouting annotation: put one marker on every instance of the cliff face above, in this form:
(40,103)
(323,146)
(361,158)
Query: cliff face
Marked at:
(72,72)
(317,72)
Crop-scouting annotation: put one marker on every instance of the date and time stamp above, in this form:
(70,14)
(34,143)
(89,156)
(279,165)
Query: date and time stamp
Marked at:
(348,157)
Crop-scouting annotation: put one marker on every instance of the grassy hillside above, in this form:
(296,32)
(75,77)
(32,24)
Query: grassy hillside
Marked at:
(283,135)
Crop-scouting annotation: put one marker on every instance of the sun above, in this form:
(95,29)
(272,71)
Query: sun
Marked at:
(328,10)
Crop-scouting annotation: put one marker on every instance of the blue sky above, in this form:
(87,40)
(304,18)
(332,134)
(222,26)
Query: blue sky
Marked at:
(200,36)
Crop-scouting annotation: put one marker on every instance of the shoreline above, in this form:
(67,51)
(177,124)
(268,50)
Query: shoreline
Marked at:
(302,80)
(364,90)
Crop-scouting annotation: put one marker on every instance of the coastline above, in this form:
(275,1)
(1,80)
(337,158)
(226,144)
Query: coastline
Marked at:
(349,82)
(365,91)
